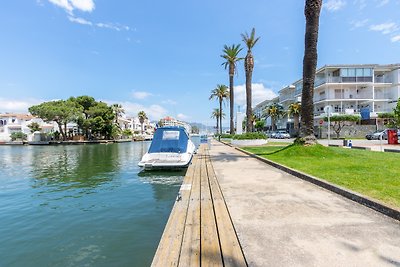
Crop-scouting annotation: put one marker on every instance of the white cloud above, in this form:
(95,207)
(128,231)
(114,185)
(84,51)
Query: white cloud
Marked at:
(70,5)
(83,5)
(153,112)
(358,23)
(141,94)
(181,116)
(111,26)
(80,20)
(259,94)
(384,28)
(7,105)
(395,38)
(86,6)
(334,5)
(382,2)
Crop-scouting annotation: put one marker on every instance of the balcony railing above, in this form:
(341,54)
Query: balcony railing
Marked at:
(321,81)
(356,112)
(382,79)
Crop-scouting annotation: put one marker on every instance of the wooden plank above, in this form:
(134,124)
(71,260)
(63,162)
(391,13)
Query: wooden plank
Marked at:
(232,253)
(168,250)
(190,250)
(210,249)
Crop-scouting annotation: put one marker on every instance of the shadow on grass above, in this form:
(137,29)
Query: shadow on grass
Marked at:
(273,152)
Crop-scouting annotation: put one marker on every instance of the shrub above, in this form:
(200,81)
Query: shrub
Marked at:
(226,136)
(18,135)
(248,136)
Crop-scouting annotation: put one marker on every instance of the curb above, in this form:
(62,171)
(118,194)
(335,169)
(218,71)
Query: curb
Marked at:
(356,197)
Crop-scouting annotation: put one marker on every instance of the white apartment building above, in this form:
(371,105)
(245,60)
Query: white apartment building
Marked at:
(133,123)
(365,89)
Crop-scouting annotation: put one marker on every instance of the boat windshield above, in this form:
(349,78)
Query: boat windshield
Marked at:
(173,140)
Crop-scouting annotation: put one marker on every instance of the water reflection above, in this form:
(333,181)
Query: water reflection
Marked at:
(162,182)
(67,167)
(84,205)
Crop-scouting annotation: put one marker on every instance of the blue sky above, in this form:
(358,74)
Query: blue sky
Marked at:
(164,56)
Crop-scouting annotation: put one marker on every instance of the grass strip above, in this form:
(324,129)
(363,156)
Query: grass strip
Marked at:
(374,174)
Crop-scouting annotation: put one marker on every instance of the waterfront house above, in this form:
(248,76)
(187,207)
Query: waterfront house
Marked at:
(15,122)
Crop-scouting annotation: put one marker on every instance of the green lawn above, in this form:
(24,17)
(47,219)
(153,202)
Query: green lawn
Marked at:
(373,174)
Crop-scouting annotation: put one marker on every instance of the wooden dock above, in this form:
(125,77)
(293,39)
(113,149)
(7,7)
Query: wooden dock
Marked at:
(199,231)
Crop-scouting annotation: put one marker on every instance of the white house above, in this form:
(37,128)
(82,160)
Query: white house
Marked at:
(13,122)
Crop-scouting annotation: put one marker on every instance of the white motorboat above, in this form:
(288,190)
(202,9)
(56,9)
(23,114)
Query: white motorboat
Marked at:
(171,148)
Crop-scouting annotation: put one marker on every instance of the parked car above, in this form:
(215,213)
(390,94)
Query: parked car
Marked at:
(376,135)
(272,134)
(282,135)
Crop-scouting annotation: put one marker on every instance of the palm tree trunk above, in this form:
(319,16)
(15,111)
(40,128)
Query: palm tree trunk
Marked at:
(296,124)
(248,101)
(231,98)
(249,73)
(61,130)
(220,116)
(273,123)
(312,10)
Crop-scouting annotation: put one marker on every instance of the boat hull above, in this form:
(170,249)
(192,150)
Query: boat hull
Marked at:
(153,161)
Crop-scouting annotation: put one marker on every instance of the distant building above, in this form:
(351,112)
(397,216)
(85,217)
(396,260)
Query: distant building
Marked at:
(365,90)
(133,123)
(169,121)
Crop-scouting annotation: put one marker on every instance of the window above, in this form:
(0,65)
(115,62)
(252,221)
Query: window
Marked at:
(170,135)
(360,72)
(367,72)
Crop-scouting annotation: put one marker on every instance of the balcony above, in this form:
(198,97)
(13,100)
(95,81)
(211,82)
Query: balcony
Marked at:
(382,79)
(283,98)
(321,81)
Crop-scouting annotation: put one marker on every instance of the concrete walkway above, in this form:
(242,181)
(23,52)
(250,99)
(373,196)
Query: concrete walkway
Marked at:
(282,220)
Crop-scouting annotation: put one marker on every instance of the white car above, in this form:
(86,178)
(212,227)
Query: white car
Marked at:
(282,135)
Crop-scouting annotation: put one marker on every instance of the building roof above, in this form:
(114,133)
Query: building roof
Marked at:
(17,116)
(374,66)
(287,88)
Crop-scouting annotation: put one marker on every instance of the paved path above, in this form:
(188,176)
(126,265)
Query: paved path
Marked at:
(284,221)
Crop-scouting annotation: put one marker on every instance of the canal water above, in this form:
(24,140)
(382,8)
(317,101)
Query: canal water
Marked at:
(83,205)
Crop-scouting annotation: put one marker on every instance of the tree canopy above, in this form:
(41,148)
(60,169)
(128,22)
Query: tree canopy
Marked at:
(93,118)
(339,121)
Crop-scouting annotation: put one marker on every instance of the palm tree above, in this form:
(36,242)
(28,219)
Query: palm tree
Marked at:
(118,111)
(275,111)
(230,54)
(216,114)
(312,11)
(142,117)
(294,110)
(250,41)
(220,92)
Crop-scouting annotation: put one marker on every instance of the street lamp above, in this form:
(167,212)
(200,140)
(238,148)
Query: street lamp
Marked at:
(328,110)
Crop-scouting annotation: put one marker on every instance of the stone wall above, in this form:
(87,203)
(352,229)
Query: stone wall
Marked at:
(356,131)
